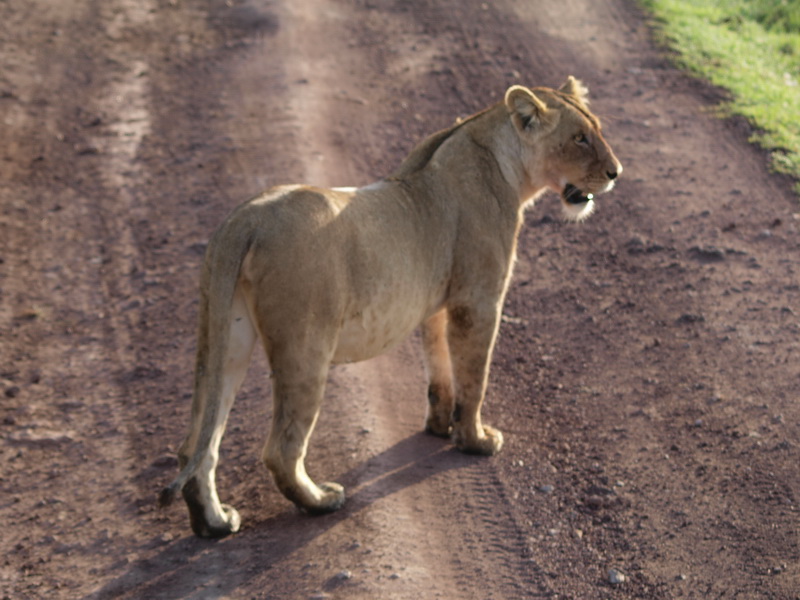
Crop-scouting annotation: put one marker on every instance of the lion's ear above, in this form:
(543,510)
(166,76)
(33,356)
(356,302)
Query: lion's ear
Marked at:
(525,108)
(575,88)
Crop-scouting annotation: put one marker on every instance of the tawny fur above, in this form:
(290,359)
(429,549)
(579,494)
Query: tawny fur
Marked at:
(323,276)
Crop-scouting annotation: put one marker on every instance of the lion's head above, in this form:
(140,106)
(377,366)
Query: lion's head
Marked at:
(562,140)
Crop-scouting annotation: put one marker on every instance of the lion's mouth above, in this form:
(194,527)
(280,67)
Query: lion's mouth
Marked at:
(573,195)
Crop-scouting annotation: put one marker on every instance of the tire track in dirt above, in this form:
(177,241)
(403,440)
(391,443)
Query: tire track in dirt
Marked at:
(385,515)
(86,371)
(637,344)
(65,237)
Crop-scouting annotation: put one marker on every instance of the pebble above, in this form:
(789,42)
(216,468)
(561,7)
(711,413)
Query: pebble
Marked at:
(777,570)
(706,254)
(615,577)
(688,318)
(546,489)
(344,575)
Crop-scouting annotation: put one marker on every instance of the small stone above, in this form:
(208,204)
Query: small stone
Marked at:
(394,576)
(688,318)
(681,577)
(615,577)
(86,149)
(707,254)
(636,244)
(546,489)
(344,575)
(777,570)
(579,534)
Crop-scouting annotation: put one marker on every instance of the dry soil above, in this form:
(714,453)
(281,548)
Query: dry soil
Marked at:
(646,374)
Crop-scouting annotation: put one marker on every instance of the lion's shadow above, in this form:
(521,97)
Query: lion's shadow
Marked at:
(189,564)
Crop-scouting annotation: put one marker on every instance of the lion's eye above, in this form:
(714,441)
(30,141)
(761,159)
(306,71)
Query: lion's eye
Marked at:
(581,139)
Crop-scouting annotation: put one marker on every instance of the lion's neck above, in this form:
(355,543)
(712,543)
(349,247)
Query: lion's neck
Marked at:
(480,156)
(502,141)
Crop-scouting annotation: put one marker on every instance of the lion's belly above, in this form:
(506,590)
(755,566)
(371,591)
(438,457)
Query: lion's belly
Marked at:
(376,328)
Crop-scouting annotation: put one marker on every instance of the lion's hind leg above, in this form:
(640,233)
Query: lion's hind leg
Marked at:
(214,397)
(298,385)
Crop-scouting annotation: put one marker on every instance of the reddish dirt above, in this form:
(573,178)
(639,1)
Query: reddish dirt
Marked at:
(645,377)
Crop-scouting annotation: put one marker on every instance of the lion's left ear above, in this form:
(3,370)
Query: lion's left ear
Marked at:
(573,87)
(526,110)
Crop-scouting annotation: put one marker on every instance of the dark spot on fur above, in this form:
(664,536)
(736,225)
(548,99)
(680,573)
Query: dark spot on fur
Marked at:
(433,395)
(457,413)
(461,318)
(197,516)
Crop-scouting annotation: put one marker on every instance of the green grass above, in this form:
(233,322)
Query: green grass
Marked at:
(751,48)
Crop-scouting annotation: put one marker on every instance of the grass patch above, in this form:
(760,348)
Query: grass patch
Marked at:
(752,49)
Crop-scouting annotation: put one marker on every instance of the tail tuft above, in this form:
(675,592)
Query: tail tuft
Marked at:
(167,495)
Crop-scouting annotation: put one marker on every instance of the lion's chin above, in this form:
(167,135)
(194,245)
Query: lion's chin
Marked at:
(577,206)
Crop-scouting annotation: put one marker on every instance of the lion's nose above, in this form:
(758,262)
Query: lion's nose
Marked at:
(615,170)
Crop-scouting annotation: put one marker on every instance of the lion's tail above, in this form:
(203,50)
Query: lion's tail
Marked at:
(223,261)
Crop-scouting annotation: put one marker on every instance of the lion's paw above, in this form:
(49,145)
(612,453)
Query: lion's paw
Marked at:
(438,427)
(229,524)
(488,444)
(209,520)
(332,499)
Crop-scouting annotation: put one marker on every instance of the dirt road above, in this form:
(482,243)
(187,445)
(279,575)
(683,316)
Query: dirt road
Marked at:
(646,376)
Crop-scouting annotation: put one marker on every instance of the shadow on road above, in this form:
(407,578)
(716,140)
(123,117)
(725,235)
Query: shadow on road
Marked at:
(190,564)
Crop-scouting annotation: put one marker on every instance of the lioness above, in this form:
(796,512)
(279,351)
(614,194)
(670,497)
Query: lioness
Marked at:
(324,276)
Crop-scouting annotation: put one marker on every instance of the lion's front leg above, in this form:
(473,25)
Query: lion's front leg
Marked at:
(440,375)
(471,336)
